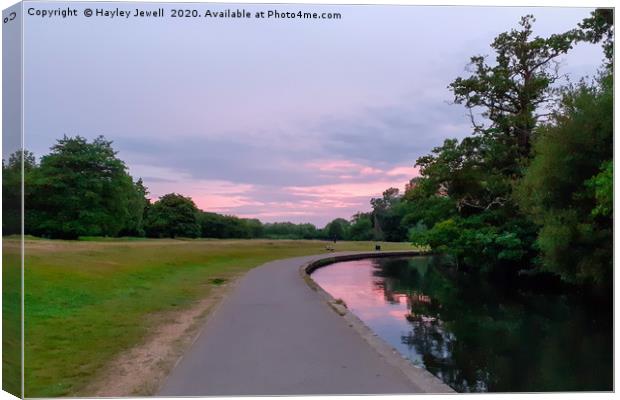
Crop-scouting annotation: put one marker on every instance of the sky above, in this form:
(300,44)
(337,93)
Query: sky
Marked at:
(281,120)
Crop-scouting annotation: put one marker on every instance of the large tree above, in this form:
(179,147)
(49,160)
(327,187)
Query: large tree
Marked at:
(80,189)
(512,94)
(516,91)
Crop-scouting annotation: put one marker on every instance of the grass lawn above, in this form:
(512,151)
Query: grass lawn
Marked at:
(11,321)
(86,301)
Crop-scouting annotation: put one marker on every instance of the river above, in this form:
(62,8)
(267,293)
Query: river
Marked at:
(475,336)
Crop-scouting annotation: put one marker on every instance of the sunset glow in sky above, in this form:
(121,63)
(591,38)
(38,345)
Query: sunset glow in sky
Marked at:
(288,120)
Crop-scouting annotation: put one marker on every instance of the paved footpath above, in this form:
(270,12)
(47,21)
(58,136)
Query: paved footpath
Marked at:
(273,335)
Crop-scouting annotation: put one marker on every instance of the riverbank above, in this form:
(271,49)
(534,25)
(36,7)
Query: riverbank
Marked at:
(88,304)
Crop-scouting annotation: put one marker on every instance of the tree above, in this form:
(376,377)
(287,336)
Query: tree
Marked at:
(308,231)
(427,210)
(386,218)
(515,94)
(515,91)
(253,227)
(15,161)
(12,189)
(567,189)
(79,189)
(227,226)
(212,225)
(468,172)
(361,227)
(602,185)
(600,27)
(138,206)
(389,198)
(289,230)
(337,229)
(173,215)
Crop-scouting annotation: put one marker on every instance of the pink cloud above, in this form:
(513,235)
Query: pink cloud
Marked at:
(370,171)
(346,167)
(324,202)
(354,185)
(223,203)
(409,172)
(275,215)
(346,190)
(210,195)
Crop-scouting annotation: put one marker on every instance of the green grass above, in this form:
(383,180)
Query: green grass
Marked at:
(11,321)
(87,301)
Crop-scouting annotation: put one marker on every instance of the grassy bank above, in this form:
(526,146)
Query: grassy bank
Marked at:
(87,301)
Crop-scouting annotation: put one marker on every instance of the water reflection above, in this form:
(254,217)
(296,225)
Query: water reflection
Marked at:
(472,335)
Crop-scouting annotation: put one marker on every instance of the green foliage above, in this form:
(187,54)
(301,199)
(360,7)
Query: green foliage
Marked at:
(600,27)
(138,205)
(463,203)
(519,83)
(470,173)
(338,229)
(173,215)
(227,226)
(471,242)
(361,227)
(12,189)
(441,237)
(81,189)
(567,189)
(387,216)
(289,230)
(462,206)
(603,186)
(428,210)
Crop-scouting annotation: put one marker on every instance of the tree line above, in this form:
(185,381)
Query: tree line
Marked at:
(82,188)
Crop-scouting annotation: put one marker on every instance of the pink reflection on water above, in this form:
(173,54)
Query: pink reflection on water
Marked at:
(353,282)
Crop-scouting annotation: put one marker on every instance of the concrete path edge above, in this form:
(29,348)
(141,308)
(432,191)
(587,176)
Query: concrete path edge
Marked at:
(420,377)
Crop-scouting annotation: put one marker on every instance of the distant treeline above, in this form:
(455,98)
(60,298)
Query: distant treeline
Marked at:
(82,188)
